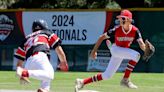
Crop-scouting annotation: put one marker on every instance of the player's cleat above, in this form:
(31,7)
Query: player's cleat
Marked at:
(78,84)
(41,90)
(128,84)
(23,80)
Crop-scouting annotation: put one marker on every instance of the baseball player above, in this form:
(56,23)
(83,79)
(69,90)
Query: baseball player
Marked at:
(124,35)
(35,50)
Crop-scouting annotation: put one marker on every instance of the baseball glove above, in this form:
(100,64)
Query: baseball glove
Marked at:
(149,50)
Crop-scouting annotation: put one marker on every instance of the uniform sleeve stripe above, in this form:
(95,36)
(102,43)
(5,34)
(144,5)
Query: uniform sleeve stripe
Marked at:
(21,49)
(18,57)
(53,39)
(16,54)
(20,52)
(55,42)
(51,36)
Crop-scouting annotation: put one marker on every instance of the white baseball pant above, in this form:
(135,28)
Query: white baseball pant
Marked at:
(39,67)
(118,54)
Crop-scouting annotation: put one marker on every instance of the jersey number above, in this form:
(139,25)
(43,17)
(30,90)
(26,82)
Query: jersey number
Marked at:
(30,42)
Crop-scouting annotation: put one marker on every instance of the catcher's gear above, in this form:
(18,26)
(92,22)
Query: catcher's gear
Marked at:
(149,50)
(63,66)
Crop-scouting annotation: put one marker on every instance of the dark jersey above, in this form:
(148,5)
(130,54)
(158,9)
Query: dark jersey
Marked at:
(122,38)
(39,41)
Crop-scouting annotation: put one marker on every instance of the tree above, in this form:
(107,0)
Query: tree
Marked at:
(6,3)
(131,3)
(81,4)
(84,4)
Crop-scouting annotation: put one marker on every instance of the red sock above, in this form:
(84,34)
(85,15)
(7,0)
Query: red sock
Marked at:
(129,68)
(95,78)
(25,73)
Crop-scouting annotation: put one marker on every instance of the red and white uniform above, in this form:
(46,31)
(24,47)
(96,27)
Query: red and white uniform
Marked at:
(122,38)
(39,41)
(35,50)
(121,48)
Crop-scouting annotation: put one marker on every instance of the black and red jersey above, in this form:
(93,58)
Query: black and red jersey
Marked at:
(122,38)
(39,41)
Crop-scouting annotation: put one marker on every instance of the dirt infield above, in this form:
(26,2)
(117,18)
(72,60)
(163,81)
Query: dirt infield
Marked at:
(4,90)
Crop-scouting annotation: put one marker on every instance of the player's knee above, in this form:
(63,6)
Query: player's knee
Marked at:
(137,57)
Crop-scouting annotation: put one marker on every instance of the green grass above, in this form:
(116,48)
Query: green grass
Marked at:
(64,82)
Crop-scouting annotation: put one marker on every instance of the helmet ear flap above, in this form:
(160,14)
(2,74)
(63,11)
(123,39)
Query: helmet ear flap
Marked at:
(39,25)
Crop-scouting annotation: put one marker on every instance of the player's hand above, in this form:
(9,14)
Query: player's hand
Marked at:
(93,55)
(63,66)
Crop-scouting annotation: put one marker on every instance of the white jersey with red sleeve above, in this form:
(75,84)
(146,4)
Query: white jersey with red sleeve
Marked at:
(39,41)
(122,38)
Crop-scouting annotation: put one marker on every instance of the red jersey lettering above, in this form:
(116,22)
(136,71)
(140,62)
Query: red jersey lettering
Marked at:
(122,38)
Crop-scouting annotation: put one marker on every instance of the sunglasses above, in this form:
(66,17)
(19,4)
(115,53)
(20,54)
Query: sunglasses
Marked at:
(123,18)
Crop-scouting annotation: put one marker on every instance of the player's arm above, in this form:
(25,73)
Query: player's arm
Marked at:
(20,63)
(102,37)
(140,40)
(147,47)
(141,44)
(97,45)
(62,57)
(20,55)
(61,54)
(55,43)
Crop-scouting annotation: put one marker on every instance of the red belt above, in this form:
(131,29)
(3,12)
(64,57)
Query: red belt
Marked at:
(35,53)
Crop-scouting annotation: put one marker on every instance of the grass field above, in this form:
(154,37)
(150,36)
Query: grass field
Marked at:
(64,82)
